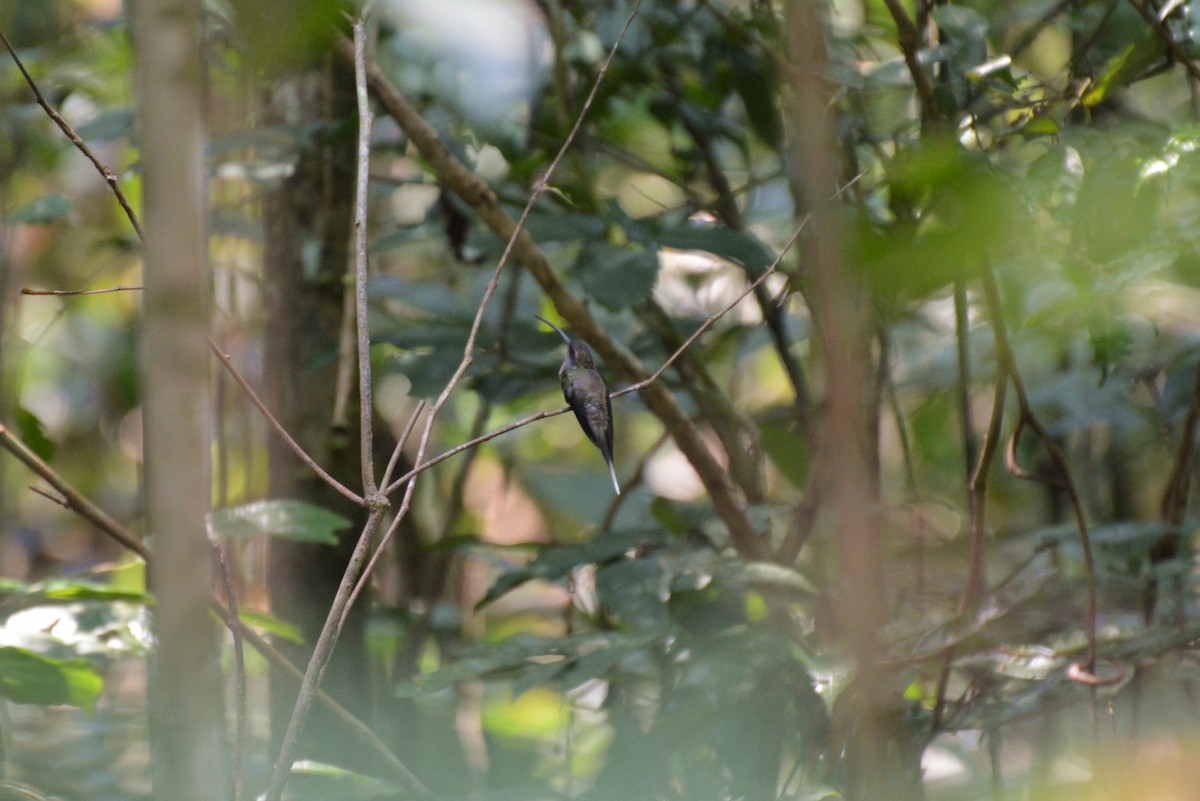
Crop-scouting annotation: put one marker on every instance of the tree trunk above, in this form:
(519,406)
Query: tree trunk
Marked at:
(185,697)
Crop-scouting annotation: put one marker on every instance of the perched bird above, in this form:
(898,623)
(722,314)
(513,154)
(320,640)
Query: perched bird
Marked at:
(588,397)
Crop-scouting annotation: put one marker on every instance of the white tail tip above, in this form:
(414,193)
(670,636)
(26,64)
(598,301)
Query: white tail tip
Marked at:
(613,473)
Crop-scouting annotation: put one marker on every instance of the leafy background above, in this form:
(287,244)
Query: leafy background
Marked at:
(536,637)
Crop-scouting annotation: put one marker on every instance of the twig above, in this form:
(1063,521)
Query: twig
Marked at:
(109,176)
(396,769)
(341,489)
(79,504)
(376,502)
(1175,497)
(1160,28)
(408,429)
(366,574)
(64,292)
(362,178)
(976,499)
(72,498)
(909,39)
(1063,478)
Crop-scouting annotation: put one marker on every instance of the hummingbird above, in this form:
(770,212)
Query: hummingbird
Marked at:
(588,397)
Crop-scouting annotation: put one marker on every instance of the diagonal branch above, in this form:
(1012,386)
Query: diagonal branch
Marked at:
(78,503)
(277,426)
(109,176)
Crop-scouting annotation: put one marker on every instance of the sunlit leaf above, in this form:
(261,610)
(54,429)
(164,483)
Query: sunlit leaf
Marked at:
(288,519)
(28,678)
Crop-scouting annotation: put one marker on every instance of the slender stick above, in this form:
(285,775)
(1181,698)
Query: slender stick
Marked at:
(72,498)
(362,179)
(341,489)
(1062,477)
(109,176)
(65,292)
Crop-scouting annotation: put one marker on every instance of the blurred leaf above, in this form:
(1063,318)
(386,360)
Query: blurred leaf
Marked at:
(635,592)
(532,661)
(43,211)
(33,433)
(740,247)
(1122,68)
(321,781)
(69,590)
(27,678)
(554,562)
(787,449)
(289,519)
(264,621)
(616,277)
(109,124)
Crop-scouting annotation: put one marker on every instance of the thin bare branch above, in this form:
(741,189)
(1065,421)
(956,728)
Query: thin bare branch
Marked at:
(109,176)
(376,503)
(1062,477)
(67,292)
(359,243)
(1178,52)
(395,459)
(342,489)
(909,39)
(72,498)
(76,502)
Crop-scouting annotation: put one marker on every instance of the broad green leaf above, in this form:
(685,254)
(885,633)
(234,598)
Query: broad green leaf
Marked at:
(557,561)
(289,519)
(739,247)
(617,278)
(28,678)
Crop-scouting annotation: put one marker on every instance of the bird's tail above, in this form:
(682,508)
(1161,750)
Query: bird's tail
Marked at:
(612,472)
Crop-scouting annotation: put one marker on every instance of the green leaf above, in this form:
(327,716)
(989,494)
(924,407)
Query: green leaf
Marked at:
(264,621)
(739,247)
(33,433)
(788,450)
(557,561)
(292,520)
(67,590)
(617,278)
(28,678)
(324,781)
(635,592)
(43,211)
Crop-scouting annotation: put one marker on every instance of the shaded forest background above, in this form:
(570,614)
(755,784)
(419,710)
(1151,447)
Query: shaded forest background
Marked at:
(909,294)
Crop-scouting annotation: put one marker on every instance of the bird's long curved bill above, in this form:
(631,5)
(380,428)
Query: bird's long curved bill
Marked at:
(566,338)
